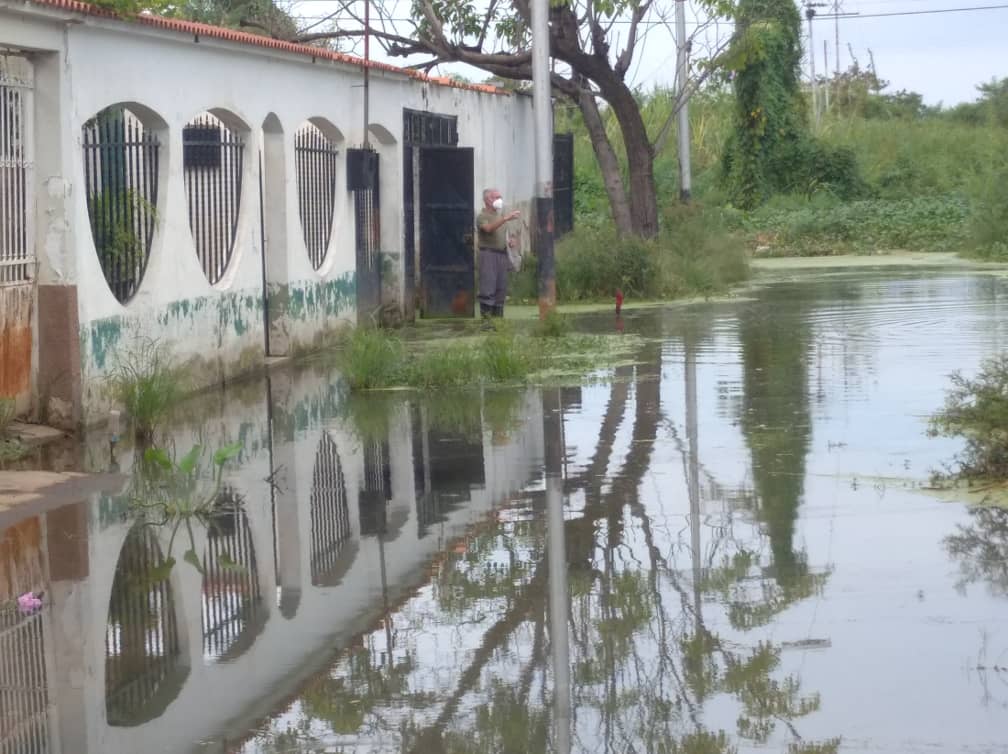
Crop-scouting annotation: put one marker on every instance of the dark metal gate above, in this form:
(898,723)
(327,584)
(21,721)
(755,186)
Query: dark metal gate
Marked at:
(563,184)
(447,224)
(362,180)
(420,129)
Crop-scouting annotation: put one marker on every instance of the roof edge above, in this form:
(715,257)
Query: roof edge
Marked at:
(253,40)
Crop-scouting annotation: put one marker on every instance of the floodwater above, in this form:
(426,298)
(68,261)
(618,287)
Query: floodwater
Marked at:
(751,563)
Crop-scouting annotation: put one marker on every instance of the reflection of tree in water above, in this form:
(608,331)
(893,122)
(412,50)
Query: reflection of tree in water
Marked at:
(981,549)
(644,660)
(777,426)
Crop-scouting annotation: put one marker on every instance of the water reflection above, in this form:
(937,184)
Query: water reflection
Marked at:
(144,663)
(727,587)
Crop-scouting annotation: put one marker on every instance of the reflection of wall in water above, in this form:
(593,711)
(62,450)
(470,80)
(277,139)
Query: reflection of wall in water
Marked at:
(144,664)
(233,612)
(332,550)
(446,466)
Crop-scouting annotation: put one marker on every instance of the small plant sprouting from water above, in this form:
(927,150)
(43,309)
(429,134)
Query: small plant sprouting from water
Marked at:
(174,494)
(553,325)
(146,384)
(11,449)
(976,410)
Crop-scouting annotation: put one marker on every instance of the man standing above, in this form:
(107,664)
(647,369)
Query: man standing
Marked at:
(493,257)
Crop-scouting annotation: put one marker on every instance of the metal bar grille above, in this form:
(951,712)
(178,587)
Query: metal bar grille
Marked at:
(316,160)
(24,707)
(142,638)
(376,492)
(213,164)
(429,129)
(121,180)
(368,228)
(330,514)
(16,221)
(231,595)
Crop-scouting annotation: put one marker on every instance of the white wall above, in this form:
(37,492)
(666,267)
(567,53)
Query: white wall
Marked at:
(220,327)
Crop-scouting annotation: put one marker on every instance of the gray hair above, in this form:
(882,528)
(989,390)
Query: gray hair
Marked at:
(486,194)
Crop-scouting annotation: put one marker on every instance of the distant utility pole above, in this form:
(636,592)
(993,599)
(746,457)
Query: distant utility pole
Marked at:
(810,14)
(836,31)
(825,58)
(682,100)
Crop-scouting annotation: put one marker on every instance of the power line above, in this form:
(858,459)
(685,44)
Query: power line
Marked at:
(847,16)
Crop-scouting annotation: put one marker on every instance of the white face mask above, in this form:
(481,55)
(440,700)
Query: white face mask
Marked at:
(498,204)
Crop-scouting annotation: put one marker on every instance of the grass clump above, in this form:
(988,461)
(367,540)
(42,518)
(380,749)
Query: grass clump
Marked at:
(147,385)
(977,411)
(502,357)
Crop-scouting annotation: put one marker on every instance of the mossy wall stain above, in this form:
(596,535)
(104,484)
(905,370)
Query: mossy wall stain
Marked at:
(312,301)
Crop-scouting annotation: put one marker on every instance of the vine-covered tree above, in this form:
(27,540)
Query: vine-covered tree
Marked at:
(770,149)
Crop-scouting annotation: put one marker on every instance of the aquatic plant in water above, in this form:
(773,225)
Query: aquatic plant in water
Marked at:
(170,494)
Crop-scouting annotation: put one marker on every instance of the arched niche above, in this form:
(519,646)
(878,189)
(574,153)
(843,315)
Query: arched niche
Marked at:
(213,167)
(317,146)
(123,151)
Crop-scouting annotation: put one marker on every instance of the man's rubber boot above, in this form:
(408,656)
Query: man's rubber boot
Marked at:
(486,312)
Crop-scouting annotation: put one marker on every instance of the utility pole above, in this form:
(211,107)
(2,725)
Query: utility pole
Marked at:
(810,14)
(836,31)
(682,100)
(367,70)
(542,104)
(825,57)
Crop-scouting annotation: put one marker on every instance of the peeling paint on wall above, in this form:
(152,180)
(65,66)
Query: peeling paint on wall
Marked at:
(15,340)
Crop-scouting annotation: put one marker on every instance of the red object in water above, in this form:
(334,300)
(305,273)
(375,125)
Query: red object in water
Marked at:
(619,301)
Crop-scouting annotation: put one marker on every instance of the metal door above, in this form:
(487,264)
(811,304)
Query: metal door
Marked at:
(563,184)
(447,225)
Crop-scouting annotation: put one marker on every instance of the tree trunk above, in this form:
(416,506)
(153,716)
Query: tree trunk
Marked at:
(640,157)
(612,176)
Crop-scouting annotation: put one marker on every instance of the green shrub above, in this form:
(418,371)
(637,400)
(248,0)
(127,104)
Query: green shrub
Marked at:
(693,254)
(146,384)
(977,411)
(825,226)
(988,227)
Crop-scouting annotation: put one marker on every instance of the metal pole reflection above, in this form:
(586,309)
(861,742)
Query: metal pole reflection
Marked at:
(557,556)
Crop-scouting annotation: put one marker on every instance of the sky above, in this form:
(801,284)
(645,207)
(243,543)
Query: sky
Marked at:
(941,55)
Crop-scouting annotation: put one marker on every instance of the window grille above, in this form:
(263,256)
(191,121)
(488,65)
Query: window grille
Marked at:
(429,129)
(16,206)
(121,185)
(316,163)
(213,165)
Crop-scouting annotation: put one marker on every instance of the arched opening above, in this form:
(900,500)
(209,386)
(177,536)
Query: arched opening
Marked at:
(145,667)
(332,548)
(316,156)
(233,612)
(121,149)
(213,166)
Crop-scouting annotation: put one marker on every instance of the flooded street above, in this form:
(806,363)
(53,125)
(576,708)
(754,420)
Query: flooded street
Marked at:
(751,562)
